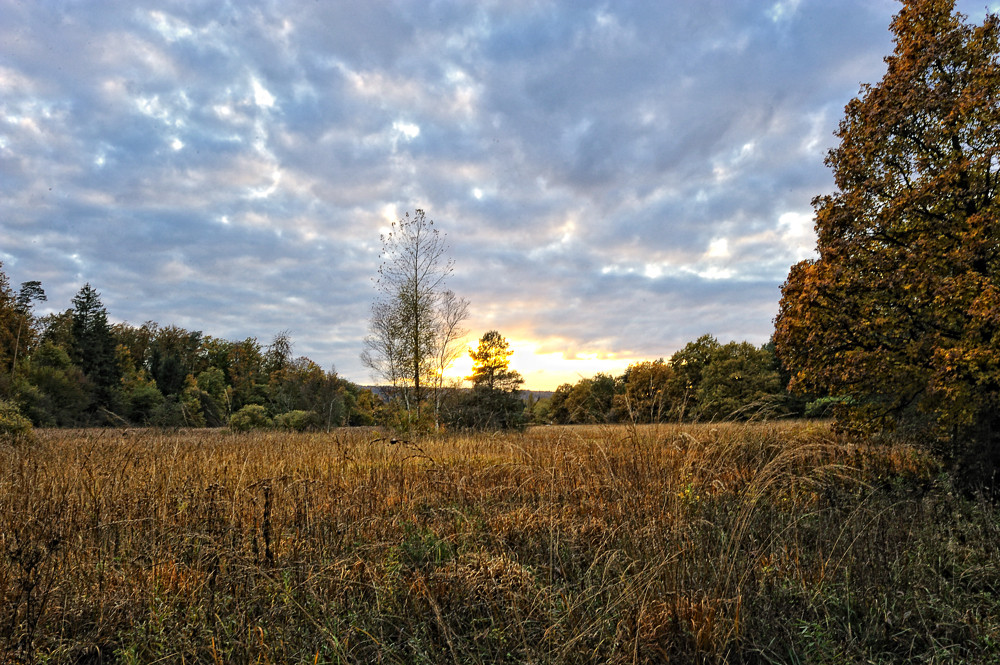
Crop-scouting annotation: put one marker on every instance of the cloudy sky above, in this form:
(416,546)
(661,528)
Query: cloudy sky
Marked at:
(614,178)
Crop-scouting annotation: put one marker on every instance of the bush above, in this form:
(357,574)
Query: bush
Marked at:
(297,421)
(487,410)
(169,413)
(251,416)
(14,428)
(826,407)
(142,402)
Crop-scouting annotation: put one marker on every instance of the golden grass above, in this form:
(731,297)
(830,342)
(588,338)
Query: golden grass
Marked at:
(709,543)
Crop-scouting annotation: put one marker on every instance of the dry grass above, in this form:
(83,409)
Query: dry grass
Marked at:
(727,543)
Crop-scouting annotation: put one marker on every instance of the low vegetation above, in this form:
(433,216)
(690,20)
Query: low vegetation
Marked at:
(713,543)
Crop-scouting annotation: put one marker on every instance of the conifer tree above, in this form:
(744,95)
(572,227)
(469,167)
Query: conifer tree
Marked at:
(94,345)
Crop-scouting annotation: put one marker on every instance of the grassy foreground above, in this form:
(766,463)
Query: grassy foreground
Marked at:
(727,543)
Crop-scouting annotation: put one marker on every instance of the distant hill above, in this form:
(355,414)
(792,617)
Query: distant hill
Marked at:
(383,392)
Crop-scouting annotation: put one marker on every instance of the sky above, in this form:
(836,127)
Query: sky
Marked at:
(614,179)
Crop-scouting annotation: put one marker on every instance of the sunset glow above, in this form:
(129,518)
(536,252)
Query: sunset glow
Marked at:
(548,370)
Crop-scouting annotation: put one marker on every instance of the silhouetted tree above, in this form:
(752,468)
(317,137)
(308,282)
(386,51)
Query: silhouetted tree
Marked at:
(495,399)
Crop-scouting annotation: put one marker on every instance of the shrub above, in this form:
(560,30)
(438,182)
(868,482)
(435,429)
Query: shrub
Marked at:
(487,410)
(14,428)
(297,421)
(169,413)
(826,407)
(251,416)
(142,402)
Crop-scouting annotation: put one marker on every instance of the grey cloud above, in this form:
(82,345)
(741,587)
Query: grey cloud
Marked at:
(227,167)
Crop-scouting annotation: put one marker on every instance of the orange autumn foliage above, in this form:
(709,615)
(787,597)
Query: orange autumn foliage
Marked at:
(901,311)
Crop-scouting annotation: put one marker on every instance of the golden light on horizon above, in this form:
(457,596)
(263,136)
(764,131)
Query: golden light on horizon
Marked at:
(548,370)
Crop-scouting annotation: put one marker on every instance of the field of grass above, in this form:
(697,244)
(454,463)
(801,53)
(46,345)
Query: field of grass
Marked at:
(712,544)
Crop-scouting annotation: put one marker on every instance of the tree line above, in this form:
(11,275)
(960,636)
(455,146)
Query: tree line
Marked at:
(74,368)
(705,381)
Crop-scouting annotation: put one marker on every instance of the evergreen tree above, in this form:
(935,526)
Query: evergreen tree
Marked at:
(93,347)
(491,364)
(495,400)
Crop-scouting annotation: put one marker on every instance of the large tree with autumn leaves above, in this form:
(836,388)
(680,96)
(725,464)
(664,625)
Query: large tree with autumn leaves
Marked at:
(901,311)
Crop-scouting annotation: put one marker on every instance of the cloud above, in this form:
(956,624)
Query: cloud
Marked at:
(614,179)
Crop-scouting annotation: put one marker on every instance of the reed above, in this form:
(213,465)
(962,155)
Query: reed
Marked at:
(627,544)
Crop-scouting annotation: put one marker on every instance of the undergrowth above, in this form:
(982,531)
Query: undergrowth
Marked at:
(707,544)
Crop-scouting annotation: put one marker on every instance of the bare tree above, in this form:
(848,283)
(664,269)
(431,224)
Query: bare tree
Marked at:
(452,312)
(415,322)
(383,353)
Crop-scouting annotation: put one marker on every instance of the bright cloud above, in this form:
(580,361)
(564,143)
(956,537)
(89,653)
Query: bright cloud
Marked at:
(614,180)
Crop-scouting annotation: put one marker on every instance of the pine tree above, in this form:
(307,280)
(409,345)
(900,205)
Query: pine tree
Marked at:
(93,344)
(495,401)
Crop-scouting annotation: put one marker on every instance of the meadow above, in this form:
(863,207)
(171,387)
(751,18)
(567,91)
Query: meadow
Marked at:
(760,543)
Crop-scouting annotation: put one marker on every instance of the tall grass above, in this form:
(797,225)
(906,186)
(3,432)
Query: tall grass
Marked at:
(724,543)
